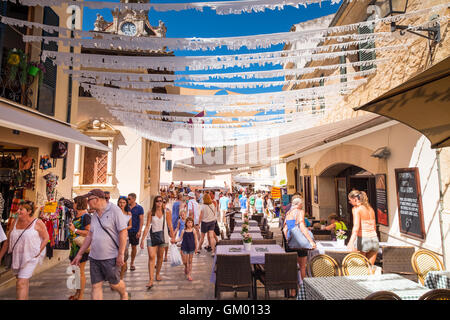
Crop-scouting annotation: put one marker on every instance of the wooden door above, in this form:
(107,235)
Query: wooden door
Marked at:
(308,204)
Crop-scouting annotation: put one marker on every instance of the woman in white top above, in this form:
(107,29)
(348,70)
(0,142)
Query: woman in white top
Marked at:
(26,241)
(207,220)
(158,220)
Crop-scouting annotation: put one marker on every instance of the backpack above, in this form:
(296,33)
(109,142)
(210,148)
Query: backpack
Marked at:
(59,150)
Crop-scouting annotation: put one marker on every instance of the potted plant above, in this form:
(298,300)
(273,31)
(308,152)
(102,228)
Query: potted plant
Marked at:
(323,223)
(340,237)
(17,63)
(36,69)
(244,228)
(247,241)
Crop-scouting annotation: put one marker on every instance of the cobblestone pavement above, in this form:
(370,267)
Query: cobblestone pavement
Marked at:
(51,284)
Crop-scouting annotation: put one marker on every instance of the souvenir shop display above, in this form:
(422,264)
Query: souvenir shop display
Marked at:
(57,217)
(45,163)
(52,182)
(17,173)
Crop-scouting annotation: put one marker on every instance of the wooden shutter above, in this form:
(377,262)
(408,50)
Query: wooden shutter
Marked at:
(47,91)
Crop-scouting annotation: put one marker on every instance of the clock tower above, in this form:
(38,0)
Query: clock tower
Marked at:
(130,22)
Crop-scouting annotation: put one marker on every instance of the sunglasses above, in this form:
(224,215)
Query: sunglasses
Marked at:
(160,200)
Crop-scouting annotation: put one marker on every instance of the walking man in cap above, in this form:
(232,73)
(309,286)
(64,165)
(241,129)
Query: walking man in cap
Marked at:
(107,239)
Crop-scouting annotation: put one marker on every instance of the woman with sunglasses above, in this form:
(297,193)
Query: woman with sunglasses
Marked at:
(159,219)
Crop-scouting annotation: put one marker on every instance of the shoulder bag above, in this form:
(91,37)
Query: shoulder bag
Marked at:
(80,239)
(157,237)
(297,239)
(107,233)
(7,260)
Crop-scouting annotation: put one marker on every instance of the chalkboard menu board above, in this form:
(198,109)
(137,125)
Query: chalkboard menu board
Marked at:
(409,199)
(382,212)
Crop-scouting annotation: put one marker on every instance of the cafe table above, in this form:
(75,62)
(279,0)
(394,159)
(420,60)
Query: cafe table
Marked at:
(437,280)
(257,253)
(250,229)
(359,287)
(238,236)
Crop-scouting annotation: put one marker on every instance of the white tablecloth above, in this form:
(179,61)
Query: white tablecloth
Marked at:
(238,236)
(250,229)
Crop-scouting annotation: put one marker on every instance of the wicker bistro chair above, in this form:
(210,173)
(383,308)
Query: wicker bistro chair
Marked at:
(383,295)
(436,294)
(323,265)
(424,261)
(264,241)
(230,242)
(355,264)
(233,274)
(279,272)
(398,260)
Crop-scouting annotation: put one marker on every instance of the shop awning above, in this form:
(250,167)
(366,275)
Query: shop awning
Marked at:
(288,145)
(422,103)
(29,122)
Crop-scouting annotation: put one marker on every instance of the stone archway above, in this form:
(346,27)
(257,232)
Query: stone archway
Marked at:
(351,155)
(332,189)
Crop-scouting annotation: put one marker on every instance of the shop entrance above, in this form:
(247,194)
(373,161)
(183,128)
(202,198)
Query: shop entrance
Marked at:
(353,178)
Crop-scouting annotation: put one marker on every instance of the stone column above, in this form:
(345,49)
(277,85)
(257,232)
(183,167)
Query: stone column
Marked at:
(155,165)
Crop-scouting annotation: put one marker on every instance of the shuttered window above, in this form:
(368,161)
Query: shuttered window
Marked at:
(168,165)
(47,91)
(366,55)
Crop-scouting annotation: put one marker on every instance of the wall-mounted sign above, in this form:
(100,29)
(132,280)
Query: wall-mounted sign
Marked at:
(381,197)
(409,199)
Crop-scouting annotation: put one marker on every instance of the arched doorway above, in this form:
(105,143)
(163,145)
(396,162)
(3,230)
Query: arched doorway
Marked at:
(348,177)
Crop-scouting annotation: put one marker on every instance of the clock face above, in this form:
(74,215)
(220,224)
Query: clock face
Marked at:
(128,28)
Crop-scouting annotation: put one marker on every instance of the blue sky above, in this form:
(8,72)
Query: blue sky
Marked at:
(192,23)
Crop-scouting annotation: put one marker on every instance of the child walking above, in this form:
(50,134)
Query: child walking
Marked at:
(188,245)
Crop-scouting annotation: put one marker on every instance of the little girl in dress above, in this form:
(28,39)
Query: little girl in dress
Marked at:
(188,245)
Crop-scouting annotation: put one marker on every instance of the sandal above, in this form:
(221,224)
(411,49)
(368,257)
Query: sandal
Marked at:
(72,297)
(189,278)
(149,286)
(132,268)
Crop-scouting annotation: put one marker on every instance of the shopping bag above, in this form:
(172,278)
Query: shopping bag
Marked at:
(174,256)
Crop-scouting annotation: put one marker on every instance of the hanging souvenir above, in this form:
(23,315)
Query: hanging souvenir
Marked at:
(52,182)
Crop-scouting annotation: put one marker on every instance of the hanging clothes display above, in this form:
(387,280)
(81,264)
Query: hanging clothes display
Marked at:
(56,217)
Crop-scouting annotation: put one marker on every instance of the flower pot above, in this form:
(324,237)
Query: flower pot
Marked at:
(32,71)
(341,242)
(247,246)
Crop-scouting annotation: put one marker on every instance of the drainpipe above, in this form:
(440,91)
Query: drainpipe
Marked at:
(441,205)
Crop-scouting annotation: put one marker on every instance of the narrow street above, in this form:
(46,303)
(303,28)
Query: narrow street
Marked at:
(51,284)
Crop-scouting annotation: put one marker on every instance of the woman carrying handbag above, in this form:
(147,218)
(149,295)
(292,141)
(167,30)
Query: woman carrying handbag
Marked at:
(26,242)
(297,235)
(159,223)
